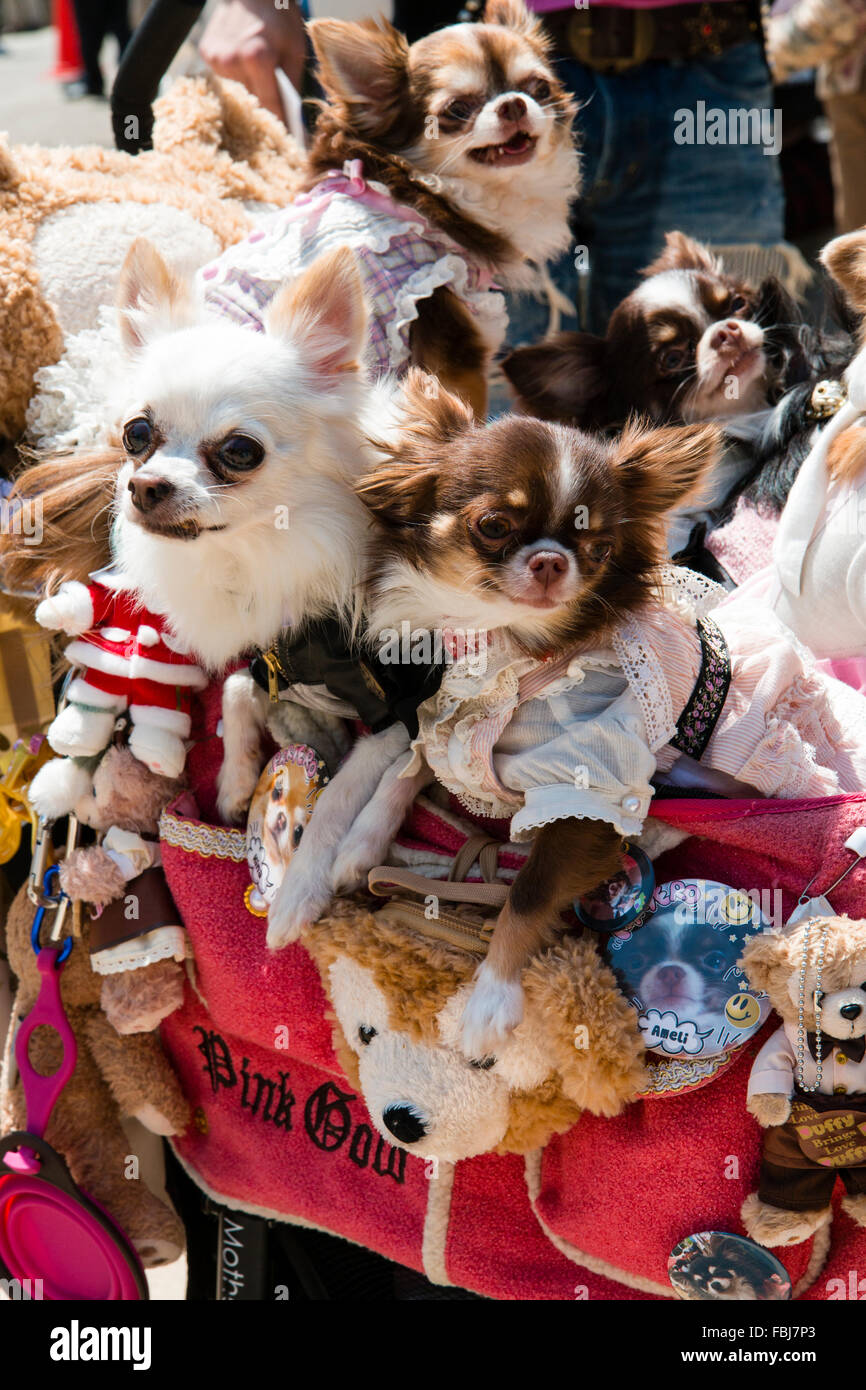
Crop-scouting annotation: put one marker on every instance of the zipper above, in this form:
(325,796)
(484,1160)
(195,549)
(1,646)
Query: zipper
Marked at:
(270,659)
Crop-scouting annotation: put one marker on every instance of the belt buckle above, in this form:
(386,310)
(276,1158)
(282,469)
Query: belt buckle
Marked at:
(580,38)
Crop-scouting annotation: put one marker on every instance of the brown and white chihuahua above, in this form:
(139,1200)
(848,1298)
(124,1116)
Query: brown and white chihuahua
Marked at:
(469,127)
(690,343)
(477,531)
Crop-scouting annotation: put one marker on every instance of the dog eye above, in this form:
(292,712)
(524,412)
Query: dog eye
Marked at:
(483,1063)
(137,436)
(599,551)
(673,359)
(538,88)
(737,304)
(460,109)
(296,835)
(366,1035)
(240,452)
(493,526)
(714,960)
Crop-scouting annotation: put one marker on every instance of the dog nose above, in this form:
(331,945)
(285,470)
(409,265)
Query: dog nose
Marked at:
(546,566)
(851,1011)
(404,1123)
(147,493)
(727,335)
(671,975)
(511,109)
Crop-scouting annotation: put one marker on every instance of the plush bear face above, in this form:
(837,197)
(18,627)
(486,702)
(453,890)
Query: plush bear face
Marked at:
(773,962)
(125,793)
(422,1093)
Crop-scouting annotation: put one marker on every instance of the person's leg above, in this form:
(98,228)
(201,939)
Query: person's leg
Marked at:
(117,23)
(90,22)
(847,116)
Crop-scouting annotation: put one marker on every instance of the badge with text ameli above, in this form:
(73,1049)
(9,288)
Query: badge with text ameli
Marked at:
(680,970)
(714,1266)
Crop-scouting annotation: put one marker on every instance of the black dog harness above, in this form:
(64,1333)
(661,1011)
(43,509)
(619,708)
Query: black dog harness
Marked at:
(323,653)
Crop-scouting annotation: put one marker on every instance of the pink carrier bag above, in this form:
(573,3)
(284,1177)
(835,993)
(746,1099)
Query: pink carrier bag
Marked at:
(278,1130)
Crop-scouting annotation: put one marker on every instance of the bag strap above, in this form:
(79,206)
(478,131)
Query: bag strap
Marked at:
(477,847)
(383,879)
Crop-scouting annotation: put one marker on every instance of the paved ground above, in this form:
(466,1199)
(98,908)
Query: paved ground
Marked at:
(33,109)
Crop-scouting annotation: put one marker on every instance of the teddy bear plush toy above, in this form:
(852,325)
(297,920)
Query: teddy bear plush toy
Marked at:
(68,217)
(808,1083)
(398,990)
(136,939)
(114,1076)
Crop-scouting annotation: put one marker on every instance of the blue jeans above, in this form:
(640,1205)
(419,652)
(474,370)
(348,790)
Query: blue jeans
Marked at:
(638,183)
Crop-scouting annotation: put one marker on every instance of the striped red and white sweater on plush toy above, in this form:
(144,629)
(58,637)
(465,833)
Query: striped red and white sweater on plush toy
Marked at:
(129,662)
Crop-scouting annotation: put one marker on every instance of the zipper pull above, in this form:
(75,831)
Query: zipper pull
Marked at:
(270,659)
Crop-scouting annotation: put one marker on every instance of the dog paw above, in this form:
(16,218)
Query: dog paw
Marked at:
(298,903)
(493,1010)
(353,864)
(235,787)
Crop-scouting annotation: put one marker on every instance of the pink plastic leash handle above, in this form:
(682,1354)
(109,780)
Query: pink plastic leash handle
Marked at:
(41,1092)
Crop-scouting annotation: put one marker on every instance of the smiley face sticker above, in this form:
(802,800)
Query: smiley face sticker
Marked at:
(742,1011)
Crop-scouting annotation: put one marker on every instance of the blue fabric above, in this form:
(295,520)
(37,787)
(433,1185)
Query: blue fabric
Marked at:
(639,183)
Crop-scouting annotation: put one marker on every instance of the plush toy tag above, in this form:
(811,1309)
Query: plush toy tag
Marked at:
(832,1138)
(680,970)
(812,907)
(282,804)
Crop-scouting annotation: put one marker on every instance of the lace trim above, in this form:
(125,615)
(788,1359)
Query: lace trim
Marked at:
(644,673)
(174,945)
(691,595)
(207,841)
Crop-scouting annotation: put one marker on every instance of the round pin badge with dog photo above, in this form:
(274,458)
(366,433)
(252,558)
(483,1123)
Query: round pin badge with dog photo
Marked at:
(282,804)
(714,1266)
(680,972)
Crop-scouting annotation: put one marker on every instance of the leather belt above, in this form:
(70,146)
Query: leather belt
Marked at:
(610,39)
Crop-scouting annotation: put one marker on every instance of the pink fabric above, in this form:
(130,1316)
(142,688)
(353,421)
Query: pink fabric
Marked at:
(745,545)
(307,1150)
(851,670)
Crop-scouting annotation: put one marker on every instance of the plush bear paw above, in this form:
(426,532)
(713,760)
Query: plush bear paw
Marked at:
(136,1001)
(769,1109)
(769,1225)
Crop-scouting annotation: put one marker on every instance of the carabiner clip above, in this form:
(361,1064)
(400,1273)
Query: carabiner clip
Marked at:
(58,902)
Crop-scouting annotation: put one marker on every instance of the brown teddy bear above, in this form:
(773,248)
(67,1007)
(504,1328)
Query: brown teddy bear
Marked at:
(808,1083)
(398,991)
(137,940)
(68,217)
(114,1076)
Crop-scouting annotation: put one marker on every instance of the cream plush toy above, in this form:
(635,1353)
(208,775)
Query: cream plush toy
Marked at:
(68,217)
(398,994)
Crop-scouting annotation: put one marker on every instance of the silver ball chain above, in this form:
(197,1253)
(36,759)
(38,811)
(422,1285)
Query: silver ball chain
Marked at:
(801,1006)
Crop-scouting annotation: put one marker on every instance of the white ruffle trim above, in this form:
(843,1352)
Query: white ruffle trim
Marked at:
(78,400)
(165,943)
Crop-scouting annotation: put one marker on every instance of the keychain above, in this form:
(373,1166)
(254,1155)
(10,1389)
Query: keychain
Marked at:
(51,1231)
(821,906)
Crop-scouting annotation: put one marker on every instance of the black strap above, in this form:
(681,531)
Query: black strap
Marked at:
(697,723)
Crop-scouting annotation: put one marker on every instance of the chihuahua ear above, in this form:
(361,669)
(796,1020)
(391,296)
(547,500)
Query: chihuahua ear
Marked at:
(845,258)
(513,14)
(364,68)
(402,490)
(661,469)
(563,379)
(683,253)
(325,313)
(150,298)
